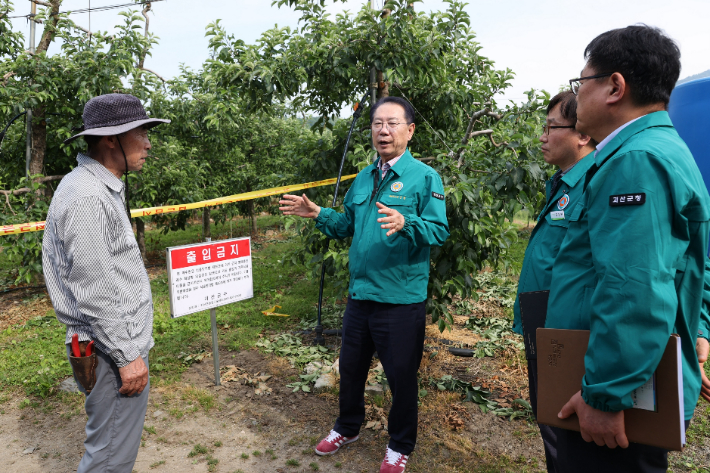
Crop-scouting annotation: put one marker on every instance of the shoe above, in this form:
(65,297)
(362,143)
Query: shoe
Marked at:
(333,442)
(394,462)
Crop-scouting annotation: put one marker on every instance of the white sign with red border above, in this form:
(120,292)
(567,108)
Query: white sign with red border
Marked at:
(206,275)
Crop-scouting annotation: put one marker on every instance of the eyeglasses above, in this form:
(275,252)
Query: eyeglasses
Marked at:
(546,128)
(575,83)
(391,125)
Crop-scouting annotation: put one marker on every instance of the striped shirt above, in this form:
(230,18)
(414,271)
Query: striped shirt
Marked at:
(93,267)
(386,166)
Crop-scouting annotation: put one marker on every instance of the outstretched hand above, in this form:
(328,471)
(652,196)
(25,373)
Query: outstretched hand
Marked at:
(300,206)
(702,347)
(394,221)
(603,428)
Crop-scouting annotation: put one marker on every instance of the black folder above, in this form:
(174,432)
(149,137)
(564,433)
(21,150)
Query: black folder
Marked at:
(533,312)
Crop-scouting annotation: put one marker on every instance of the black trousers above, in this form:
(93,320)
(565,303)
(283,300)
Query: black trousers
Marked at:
(549,434)
(567,452)
(396,331)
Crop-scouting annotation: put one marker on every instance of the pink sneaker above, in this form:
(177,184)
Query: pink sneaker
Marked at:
(394,462)
(333,442)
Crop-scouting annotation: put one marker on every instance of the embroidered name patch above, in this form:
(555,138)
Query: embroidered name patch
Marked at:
(437,195)
(627,199)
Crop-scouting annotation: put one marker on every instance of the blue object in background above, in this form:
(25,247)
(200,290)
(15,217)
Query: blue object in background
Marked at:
(689,110)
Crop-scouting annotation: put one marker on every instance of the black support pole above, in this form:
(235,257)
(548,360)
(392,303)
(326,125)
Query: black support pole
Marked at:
(319,327)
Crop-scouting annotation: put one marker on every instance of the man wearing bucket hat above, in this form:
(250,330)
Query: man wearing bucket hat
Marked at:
(97,282)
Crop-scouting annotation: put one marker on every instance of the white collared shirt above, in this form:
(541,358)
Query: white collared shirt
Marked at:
(612,135)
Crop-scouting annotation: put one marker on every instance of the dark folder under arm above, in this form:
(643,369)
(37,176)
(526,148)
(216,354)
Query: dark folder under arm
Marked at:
(533,312)
(560,371)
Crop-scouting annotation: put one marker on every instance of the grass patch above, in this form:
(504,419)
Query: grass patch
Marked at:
(199,396)
(33,356)
(197,450)
(211,463)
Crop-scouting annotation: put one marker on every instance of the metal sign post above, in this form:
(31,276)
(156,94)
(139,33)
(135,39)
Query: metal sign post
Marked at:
(215,340)
(215,347)
(208,275)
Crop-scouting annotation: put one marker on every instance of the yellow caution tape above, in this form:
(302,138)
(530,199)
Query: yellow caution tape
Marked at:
(166,209)
(268,312)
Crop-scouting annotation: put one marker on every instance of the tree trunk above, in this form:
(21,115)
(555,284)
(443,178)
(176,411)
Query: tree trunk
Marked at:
(383,87)
(50,27)
(140,232)
(39,141)
(206,228)
(39,125)
(252,217)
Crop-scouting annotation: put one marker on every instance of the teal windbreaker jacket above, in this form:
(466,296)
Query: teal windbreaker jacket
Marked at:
(392,269)
(631,268)
(550,230)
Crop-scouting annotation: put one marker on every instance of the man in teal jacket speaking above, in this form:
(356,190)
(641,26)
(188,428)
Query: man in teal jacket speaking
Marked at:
(395,211)
(631,267)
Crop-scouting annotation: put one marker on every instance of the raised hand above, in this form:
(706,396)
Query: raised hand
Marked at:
(300,206)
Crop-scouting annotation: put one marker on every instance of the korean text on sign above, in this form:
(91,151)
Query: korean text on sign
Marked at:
(208,275)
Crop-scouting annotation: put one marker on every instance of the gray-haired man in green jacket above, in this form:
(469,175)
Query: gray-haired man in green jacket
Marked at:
(395,211)
(631,267)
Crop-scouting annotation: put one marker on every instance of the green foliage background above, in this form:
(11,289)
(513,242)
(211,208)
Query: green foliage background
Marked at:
(269,113)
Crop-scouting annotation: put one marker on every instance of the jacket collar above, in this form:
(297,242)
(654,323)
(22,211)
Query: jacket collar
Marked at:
(101,173)
(655,119)
(399,166)
(579,170)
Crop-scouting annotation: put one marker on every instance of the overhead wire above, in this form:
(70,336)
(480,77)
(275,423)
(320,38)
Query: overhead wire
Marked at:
(90,9)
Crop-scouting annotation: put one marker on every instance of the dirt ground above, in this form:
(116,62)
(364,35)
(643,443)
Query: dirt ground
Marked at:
(194,426)
(251,433)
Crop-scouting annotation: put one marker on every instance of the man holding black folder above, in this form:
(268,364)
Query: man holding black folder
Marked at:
(570,151)
(631,267)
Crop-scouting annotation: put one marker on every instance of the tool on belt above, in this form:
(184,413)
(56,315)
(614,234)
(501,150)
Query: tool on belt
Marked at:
(83,362)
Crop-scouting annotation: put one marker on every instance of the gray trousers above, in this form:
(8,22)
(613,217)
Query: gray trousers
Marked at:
(115,424)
